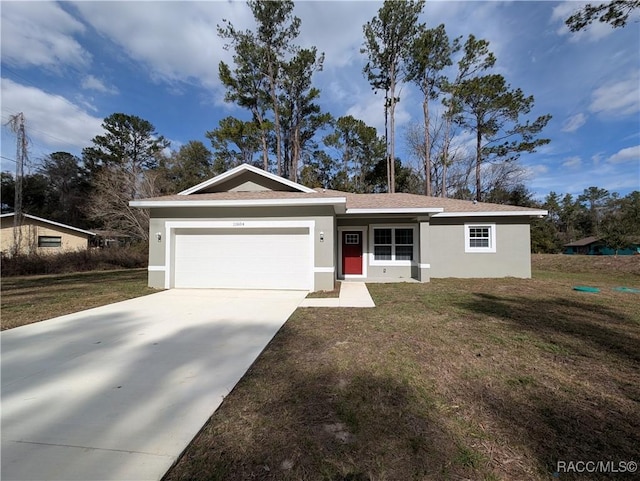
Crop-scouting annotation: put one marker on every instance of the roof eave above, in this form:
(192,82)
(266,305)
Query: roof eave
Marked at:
(46,221)
(495,213)
(392,210)
(337,202)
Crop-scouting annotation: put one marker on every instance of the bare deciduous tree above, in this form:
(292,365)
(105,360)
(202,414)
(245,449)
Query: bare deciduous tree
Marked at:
(114,187)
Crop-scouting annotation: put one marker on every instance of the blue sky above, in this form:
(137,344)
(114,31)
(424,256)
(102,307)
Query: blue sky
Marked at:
(67,65)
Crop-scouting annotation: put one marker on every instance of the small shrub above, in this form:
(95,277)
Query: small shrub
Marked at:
(77,261)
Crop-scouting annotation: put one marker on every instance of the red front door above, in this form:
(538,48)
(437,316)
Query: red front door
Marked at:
(352,253)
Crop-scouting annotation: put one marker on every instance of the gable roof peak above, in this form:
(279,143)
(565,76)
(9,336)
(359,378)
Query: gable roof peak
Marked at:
(242,168)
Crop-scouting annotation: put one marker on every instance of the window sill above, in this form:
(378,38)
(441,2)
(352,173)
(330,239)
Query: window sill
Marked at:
(391,263)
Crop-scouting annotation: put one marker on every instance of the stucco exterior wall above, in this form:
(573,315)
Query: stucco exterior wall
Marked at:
(322,217)
(512,258)
(32,229)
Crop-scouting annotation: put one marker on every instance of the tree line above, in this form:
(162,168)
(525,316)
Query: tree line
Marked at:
(595,213)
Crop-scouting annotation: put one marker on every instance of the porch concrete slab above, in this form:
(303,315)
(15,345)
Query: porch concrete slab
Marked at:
(355,294)
(384,280)
(118,392)
(352,294)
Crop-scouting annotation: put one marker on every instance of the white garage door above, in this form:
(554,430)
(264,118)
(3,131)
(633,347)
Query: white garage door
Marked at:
(245,259)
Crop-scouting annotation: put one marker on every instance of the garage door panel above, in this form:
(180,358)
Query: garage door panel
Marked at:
(252,258)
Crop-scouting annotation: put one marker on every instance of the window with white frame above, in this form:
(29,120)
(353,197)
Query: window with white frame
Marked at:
(480,238)
(393,244)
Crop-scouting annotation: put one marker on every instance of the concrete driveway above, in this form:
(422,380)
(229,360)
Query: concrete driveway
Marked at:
(117,392)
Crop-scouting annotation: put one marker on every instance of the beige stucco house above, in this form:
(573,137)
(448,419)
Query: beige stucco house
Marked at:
(248,228)
(41,235)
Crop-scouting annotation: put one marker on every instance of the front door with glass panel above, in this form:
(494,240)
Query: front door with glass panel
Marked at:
(352,253)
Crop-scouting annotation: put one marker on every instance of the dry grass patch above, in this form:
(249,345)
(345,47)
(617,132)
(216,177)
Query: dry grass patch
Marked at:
(335,293)
(35,298)
(455,379)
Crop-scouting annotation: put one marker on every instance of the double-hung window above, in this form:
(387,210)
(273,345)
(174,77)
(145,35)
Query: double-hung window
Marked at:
(479,238)
(393,244)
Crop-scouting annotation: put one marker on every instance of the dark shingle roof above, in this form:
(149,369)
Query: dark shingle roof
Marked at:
(583,242)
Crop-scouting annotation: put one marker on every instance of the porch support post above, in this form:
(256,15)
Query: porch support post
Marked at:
(424,259)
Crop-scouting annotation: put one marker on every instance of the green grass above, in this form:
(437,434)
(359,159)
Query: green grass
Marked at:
(455,379)
(35,298)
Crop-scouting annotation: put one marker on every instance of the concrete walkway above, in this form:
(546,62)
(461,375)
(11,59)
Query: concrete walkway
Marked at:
(117,392)
(352,294)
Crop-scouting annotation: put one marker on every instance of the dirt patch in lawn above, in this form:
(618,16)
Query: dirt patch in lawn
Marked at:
(335,293)
(455,379)
(35,298)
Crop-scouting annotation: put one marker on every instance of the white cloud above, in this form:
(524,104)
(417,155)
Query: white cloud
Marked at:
(176,41)
(574,122)
(596,31)
(40,34)
(626,155)
(90,82)
(536,170)
(339,36)
(572,162)
(51,120)
(369,108)
(596,158)
(617,98)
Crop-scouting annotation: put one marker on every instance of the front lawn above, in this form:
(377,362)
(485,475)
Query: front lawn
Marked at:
(455,379)
(35,298)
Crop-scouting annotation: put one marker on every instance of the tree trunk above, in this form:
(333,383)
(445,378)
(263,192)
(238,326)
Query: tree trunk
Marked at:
(295,157)
(445,155)
(427,148)
(276,116)
(265,150)
(263,139)
(386,138)
(392,144)
(478,159)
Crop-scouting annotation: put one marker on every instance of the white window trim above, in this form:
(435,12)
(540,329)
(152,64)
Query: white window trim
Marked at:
(480,250)
(363,233)
(391,262)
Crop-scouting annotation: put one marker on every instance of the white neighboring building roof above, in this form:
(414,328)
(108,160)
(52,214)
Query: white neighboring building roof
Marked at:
(40,219)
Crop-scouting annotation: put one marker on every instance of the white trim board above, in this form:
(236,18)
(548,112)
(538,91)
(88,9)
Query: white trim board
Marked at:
(495,213)
(238,203)
(324,269)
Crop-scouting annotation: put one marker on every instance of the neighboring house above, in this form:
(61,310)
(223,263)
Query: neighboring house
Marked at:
(594,246)
(248,228)
(109,239)
(41,235)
